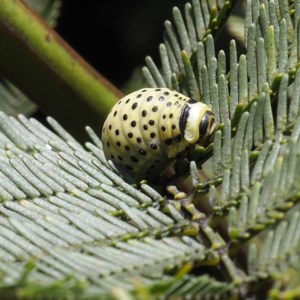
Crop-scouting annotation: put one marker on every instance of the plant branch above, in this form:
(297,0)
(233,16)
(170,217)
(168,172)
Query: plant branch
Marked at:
(50,72)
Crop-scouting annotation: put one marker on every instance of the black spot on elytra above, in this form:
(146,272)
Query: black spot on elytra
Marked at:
(120,157)
(157,90)
(139,96)
(151,122)
(107,144)
(118,144)
(152,135)
(115,113)
(130,135)
(149,98)
(142,151)
(134,159)
(163,128)
(117,132)
(125,117)
(166,93)
(144,113)
(169,104)
(127,148)
(153,146)
(128,167)
(173,126)
(138,139)
(161,98)
(145,127)
(127,101)
(155,108)
(168,142)
(170,115)
(177,138)
(164,116)
(134,105)
(109,127)
(133,123)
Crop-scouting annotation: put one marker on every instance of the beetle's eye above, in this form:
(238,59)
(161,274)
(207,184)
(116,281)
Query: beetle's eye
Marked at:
(204,125)
(211,125)
(207,124)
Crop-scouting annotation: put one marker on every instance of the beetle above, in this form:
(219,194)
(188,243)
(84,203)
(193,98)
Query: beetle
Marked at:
(146,130)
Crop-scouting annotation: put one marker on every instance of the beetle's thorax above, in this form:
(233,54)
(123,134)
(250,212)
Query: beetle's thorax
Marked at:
(191,116)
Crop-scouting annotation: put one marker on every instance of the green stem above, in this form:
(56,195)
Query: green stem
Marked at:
(50,72)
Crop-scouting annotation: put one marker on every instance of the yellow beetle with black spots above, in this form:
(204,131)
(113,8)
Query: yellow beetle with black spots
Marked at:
(147,129)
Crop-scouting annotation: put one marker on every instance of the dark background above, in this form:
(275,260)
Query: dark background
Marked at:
(115,36)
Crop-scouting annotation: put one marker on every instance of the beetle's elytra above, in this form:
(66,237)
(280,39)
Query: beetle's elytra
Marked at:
(147,129)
